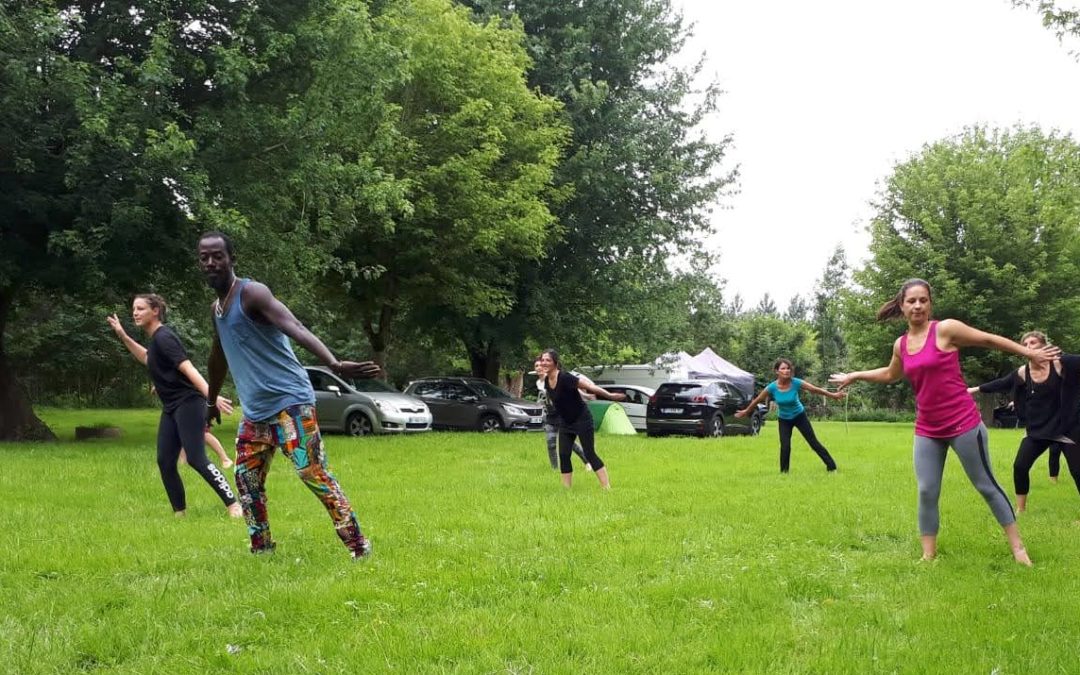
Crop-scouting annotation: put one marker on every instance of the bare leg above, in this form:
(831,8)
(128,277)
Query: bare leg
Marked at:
(1021,503)
(214,443)
(1012,533)
(567,479)
(929,546)
(601,475)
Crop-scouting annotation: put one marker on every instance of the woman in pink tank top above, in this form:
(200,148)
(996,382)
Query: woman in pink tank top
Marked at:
(945,414)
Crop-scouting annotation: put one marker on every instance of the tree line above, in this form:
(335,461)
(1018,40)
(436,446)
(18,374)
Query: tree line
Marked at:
(450,187)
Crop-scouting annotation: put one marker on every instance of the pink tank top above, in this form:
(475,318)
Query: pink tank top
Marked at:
(943,408)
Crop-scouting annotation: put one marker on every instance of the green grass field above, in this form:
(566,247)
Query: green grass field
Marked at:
(702,558)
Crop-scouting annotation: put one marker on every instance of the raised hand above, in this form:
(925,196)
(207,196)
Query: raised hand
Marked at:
(115,324)
(361,370)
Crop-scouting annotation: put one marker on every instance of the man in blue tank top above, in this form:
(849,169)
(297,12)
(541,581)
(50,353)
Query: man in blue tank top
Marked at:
(251,338)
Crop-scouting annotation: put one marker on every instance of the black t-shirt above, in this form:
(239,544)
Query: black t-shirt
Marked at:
(566,399)
(1043,404)
(163,358)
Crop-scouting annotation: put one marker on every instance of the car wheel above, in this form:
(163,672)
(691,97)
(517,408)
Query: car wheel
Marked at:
(358,424)
(490,423)
(714,426)
(756,422)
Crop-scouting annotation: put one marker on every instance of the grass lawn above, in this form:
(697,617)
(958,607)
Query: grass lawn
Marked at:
(702,558)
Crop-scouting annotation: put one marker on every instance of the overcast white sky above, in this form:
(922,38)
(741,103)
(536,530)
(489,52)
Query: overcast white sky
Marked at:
(823,98)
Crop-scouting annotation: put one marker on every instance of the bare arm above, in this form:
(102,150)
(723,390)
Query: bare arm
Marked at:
(958,334)
(760,398)
(259,301)
(216,368)
(136,349)
(814,389)
(599,392)
(188,370)
(884,375)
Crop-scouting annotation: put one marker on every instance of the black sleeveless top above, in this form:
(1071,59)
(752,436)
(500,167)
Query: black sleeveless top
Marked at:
(1043,404)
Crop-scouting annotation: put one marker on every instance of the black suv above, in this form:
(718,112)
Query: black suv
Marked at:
(475,403)
(702,408)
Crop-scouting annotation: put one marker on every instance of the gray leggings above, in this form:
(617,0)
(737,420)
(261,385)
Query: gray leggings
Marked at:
(975,458)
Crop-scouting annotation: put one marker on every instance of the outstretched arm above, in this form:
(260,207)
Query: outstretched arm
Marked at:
(1000,385)
(760,398)
(814,389)
(259,301)
(136,349)
(884,375)
(959,334)
(599,392)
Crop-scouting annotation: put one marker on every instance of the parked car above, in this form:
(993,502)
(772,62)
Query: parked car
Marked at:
(361,407)
(475,403)
(702,408)
(636,403)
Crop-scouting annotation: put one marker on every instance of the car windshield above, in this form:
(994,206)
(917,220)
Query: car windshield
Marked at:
(372,386)
(688,391)
(488,390)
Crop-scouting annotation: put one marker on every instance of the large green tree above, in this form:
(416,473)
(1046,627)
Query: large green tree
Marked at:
(473,150)
(639,174)
(990,218)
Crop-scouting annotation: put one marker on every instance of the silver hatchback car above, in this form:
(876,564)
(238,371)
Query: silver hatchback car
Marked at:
(361,407)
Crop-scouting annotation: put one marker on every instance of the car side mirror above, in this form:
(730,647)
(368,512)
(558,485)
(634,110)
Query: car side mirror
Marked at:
(334,388)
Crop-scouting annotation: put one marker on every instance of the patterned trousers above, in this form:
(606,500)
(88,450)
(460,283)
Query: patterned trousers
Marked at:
(296,431)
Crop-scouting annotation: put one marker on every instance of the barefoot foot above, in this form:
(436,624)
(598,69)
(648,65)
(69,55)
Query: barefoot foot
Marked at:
(234,510)
(1020,555)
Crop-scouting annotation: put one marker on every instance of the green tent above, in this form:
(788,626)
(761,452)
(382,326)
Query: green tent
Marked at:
(610,418)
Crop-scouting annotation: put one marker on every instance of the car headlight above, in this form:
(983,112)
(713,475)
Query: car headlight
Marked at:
(513,410)
(386,407)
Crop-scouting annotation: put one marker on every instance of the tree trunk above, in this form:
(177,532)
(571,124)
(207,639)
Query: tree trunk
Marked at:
(379,338)
(515,383)
(17,419)
(485,360)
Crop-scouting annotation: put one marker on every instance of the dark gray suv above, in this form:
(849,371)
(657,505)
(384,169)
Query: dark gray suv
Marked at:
(474,403)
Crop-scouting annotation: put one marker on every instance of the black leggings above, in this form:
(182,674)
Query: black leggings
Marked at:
(583,431)
(1030,450)
(184,428)
(1055,460)
(802,423)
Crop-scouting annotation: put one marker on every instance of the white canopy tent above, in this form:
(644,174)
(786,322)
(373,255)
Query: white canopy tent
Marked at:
(708,365)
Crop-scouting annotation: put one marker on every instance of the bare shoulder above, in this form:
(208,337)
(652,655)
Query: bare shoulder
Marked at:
(256,293)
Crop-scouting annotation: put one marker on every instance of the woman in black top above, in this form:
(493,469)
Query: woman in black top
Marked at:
(575,420)
(182,391)
(1046,396)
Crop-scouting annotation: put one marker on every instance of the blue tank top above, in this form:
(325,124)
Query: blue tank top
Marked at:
(267,374)
(787,402)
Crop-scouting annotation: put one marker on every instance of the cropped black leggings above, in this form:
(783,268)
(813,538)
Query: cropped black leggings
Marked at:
(802,423)
(582,430)
(184,428)
(1030,450)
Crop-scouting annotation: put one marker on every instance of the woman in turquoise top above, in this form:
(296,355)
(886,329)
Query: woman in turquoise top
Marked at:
(784,391)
